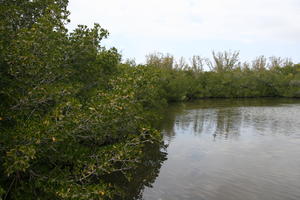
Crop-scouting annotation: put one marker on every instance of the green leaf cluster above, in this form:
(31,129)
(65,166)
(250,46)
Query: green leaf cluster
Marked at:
(70,112)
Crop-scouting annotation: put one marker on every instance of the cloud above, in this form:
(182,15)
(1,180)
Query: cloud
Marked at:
(246,22)
(206,19)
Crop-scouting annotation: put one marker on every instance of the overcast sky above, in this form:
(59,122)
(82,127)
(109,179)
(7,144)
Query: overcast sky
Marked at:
(195,27)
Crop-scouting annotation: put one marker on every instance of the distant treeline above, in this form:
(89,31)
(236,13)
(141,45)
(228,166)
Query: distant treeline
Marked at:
(226,77)
(72,114)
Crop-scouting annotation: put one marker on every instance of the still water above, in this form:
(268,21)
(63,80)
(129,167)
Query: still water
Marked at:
(228,150)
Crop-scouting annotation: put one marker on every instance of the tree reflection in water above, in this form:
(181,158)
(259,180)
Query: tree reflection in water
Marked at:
(131,186)
(222,118)
(214,119)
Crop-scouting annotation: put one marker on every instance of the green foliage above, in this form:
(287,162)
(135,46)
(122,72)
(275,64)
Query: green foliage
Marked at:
(71,114)
(228,77)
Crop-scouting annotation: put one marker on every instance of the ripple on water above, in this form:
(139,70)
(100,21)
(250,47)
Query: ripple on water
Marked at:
(231,151)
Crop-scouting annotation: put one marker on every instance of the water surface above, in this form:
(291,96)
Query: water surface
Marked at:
(228,150)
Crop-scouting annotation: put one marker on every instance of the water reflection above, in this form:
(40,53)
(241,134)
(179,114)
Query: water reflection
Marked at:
(230,149)
(225,118)
(132,186)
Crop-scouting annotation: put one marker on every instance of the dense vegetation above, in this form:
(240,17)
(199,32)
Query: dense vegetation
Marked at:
(72,114)
(227,77)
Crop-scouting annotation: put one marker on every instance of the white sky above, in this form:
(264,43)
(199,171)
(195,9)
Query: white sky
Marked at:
(195,27)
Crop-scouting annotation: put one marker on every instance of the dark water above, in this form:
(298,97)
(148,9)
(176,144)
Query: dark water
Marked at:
(227,150)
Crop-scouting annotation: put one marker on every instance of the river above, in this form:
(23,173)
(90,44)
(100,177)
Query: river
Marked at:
(225,149)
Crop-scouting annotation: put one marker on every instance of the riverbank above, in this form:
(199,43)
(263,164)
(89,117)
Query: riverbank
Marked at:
(72,112)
